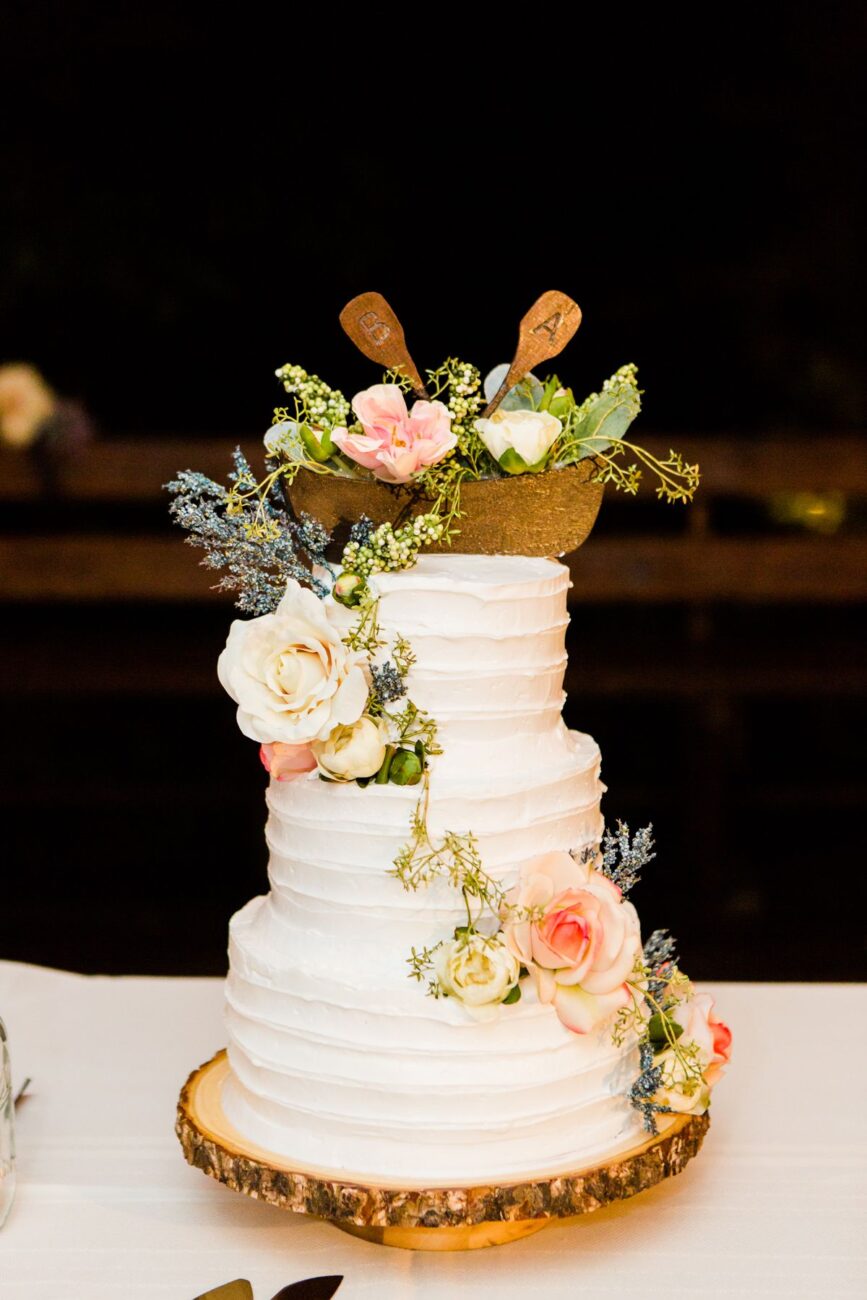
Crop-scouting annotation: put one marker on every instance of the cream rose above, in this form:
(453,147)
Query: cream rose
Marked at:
(290,674)
(351,751)
(477,971)
(519,440)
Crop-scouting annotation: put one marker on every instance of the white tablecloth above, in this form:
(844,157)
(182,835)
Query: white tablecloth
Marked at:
(107,1208)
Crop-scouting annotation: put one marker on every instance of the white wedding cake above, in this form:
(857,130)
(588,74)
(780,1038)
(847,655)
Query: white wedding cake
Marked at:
(446,984)
(337,1060)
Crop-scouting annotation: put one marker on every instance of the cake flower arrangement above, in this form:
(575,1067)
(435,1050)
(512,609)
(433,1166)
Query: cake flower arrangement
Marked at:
(327,695)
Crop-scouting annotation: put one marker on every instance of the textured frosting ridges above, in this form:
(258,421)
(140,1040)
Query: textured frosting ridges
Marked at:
(339,1060)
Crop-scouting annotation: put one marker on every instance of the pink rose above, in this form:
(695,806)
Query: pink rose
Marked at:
(286,762)
(396,444)
(578,938)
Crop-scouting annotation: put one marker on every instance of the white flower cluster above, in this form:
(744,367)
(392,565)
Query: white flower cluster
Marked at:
(465,399)
(322,405)
(623,382)
(388,548)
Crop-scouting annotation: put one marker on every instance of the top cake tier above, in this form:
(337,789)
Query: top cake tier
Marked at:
(488,634)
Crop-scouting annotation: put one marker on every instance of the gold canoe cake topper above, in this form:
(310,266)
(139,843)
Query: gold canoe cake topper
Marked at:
(375,330)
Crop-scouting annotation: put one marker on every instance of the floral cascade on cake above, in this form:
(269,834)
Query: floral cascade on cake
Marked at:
(447,980)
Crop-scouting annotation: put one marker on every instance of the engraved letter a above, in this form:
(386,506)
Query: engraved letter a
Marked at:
(549,326)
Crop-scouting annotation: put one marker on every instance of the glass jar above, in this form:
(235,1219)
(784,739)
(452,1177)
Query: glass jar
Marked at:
(7,1130)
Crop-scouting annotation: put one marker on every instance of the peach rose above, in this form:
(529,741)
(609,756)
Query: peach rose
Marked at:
(286,762)
(396,444)
(570,926)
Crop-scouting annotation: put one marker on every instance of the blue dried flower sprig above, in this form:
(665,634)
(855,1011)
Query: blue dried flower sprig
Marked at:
(644,1089)
(248,534)
(387,683)
(623,858)
(660,959)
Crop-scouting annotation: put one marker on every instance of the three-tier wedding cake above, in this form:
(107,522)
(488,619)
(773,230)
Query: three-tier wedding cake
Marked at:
(446,982)
(337,1060)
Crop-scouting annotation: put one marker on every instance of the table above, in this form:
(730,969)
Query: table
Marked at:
(107,1208)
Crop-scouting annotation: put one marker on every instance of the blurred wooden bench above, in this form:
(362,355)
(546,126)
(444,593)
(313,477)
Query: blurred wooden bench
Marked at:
(697,565)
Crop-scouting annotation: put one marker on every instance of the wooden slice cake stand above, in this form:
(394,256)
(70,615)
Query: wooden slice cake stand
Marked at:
(418,1218)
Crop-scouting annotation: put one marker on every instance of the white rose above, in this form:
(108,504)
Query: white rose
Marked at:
(478,971)
(351,751)
(290,674)
(530,434)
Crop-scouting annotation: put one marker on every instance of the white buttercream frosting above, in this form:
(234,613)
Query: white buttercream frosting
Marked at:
(339,1061)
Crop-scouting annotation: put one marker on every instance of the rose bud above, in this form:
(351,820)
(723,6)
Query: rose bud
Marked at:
(349,589)
(406,768)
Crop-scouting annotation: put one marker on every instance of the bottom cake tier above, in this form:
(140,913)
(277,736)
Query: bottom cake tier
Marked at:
(412,1091)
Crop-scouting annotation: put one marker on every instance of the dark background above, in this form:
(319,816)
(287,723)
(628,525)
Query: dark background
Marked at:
(186,207)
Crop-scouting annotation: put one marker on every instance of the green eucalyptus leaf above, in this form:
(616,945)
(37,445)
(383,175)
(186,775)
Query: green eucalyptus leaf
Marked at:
(605,417)
(284,439)
(513,995)
(525,396)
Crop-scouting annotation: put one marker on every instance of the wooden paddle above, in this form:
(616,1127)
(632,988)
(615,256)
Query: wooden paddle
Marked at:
(543,333)
(240,1289)
(376,331)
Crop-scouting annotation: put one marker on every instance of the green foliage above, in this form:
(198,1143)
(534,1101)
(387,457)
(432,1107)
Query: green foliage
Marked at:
(454,858)
(422,969)
(365,635)
(596,428)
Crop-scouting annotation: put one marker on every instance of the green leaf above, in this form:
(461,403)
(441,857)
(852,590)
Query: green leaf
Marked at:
(513,995)
(657,1026)
(562,405)
(513,463)
(319,449)
(382,774)
(552,383)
